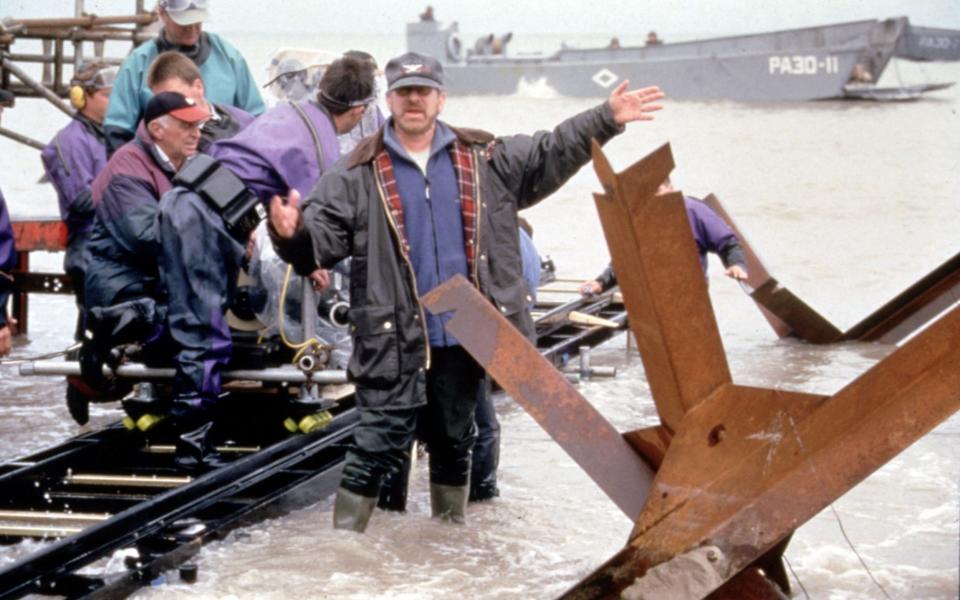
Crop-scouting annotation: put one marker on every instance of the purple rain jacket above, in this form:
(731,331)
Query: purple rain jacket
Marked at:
(277,152)
(72,160)
(8,259)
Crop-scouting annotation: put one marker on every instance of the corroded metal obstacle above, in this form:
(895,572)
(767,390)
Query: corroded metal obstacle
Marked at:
(893,322)
(731,471)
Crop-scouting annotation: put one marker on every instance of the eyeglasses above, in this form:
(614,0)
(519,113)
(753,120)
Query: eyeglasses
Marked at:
(179,5)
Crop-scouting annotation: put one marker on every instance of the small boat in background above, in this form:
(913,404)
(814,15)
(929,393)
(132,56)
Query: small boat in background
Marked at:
(928,43)
(813,63)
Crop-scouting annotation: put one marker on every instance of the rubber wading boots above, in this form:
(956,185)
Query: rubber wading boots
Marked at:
(352,511)
(449,502)
(195,450)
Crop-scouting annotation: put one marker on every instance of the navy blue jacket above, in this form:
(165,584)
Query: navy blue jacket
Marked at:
(347,215)
(124,245)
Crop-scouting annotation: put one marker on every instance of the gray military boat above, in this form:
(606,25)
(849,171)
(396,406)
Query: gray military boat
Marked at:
(814,63)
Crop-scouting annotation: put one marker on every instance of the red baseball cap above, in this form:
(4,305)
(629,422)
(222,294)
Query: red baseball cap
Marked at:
(176,105)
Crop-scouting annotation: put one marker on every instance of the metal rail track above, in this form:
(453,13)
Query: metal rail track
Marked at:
(166,523)
(114,489)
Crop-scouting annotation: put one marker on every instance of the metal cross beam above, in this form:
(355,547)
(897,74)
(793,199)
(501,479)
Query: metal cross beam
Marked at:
(893,322)
(516,364)
(746,466)
(739,468)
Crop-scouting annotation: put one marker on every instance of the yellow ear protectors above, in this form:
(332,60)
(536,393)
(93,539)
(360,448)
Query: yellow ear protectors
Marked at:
(78,97)
(89,80)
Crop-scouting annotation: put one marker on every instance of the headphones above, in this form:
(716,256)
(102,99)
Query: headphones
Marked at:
(102,78)
(78,97)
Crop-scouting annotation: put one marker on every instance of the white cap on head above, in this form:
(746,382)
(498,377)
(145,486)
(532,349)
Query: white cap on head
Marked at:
(186,12)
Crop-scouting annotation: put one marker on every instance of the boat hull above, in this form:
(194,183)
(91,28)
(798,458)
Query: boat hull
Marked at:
(929,43)
(802,64)
(807,76)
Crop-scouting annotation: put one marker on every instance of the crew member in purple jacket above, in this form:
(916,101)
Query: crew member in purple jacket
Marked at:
(172,71)
(710,233)
(8,260)
(291,145)
(74,157)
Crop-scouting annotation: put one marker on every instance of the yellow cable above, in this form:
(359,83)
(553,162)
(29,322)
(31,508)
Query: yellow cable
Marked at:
(300,347)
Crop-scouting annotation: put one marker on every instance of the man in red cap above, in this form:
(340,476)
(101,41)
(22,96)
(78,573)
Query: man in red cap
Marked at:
(124,246)
(127,193)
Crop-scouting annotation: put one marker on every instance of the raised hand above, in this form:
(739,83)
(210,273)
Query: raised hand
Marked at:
(736,272)
(634,105)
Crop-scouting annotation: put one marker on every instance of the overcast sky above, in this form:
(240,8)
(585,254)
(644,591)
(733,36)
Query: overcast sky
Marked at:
(620,17)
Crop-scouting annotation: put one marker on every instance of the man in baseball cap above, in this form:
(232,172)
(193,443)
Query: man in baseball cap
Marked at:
(185,12)
(413,69)
(146,230)
(433,201)
(173,122)
(176,105)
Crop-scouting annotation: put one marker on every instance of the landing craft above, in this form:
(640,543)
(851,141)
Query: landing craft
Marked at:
(814,63)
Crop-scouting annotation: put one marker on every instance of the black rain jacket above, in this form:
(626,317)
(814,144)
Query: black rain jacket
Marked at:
(347,215)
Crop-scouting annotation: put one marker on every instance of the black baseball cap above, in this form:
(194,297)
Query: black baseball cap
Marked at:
(413,69)
(176,105)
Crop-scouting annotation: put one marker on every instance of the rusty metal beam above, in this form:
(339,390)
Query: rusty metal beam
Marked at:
(793,466)
(757,274)
(738,468)
(544,393)
(746,466)
(912,308)
(804,322)
(669,310)
(891,323)
(750,584)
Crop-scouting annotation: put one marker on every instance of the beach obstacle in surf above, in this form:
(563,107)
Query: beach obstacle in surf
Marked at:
(718,487)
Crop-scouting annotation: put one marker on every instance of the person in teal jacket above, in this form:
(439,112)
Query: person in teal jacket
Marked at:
(226,76)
